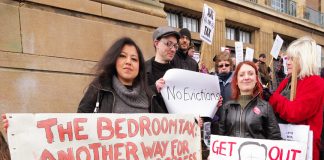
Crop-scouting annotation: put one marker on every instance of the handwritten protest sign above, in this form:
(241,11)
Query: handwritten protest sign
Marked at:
(239,52)
(103,136)
(249,54)
(189,92)
(207,24)
(276,47)
(235,148)
(299,133)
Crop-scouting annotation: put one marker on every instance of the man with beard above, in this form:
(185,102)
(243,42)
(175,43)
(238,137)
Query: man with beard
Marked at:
(181,59)
(264,71)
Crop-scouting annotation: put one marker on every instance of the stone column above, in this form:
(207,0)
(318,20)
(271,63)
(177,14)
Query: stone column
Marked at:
(301,6)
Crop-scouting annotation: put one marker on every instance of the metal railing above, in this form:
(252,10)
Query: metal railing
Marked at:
(254,1)
(284,6)
(314,16)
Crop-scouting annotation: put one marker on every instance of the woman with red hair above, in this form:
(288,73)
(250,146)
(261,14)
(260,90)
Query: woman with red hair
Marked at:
(247,115)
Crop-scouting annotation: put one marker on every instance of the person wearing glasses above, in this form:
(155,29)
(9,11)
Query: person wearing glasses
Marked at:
(165,41)
(224,68)
(181,59)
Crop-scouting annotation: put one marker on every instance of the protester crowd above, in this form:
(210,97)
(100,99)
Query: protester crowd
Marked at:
(125,83)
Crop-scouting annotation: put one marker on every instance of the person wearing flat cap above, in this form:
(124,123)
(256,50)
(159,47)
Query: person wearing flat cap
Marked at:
(181,59)
(165,41)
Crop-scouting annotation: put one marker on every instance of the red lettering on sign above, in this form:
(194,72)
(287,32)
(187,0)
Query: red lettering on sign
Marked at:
(145,125)
(107,152)
(104,124)
(78,128)
(46,155)
(62,155)
(132,131)
(117,153)
(95,147)
(217,148)
(156,128)
(279,153)
(47,124)
(118,128)
(164,125)
(84,150)
(131,150)
(62,131)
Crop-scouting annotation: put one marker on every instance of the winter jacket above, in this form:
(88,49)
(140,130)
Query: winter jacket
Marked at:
(225,88)
(183,61)
(104,97)
(255,120)
(264,73)
(306,108)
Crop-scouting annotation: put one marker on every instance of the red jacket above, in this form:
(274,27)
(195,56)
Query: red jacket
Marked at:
(306,108)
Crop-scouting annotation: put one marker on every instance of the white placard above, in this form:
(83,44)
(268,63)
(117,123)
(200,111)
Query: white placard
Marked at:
(225,49)
(189,92)
(319,55)
(235,148)
(299,133)
(239,52)
(277,44)
(196,56)
(249,54)
(284,63)
(207,24)
(103,136)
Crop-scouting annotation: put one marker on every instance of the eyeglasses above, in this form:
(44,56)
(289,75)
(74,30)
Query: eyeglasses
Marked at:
(222,65)
(171,44)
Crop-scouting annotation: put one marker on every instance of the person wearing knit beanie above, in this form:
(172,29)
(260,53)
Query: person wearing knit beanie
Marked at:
(181,59)
(185,39)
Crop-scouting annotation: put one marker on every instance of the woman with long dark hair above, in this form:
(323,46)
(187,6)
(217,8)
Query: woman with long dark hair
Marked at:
(120,85)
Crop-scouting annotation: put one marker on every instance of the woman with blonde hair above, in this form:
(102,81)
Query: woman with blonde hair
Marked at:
(307,106)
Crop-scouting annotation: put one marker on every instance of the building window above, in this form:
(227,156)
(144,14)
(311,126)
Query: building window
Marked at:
(182,20)
(245,37)
(236,34)
(284,6)
(230,33)
(173,20)
(190,23)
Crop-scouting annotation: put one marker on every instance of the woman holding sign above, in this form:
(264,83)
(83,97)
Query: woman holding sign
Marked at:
(247,115)
(119,85)
(306,107)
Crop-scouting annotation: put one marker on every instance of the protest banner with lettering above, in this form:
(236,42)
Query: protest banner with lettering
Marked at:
(299,133)
(207,24)
(276,47)
(103,136)
(189,92)
(235,148)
